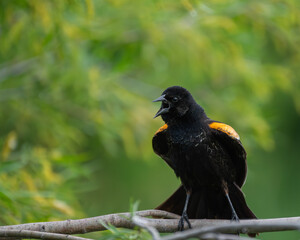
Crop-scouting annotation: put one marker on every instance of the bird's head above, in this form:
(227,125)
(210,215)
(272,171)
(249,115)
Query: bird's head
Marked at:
(176,102)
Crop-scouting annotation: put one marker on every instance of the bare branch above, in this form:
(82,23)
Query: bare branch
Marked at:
(252,225)
(38,235)
(200,226)
(220,236)
(144,223)
(244,226)
(90,224)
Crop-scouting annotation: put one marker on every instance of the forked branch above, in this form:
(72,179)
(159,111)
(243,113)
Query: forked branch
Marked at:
(156,221)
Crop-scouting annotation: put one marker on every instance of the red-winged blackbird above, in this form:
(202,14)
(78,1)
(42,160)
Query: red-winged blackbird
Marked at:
(206,155)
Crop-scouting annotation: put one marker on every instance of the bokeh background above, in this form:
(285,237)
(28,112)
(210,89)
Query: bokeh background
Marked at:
(76,83)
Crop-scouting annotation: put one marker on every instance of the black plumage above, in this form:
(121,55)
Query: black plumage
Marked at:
(206,155)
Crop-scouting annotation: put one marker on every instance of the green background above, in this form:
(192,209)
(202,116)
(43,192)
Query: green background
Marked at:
(76,83)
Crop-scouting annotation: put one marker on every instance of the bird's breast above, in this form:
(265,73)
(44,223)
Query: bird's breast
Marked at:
(191,154)
(188,136)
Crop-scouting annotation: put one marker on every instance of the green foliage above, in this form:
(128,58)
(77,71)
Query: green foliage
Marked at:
(114,233)
(77,77)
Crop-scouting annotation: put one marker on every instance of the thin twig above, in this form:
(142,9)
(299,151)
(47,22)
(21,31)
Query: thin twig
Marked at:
(37,235)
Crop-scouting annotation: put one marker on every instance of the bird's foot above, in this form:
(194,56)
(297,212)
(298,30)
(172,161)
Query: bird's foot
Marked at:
(183,218)
(235,218)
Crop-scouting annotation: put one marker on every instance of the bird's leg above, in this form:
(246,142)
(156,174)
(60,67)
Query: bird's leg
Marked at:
(233,212)
(234,216)
(184,216)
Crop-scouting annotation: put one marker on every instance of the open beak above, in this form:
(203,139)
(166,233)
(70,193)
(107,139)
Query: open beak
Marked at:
(160,99)
(162,109)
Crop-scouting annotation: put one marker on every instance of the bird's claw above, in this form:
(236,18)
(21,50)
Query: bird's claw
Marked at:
(183,218)
(235,218)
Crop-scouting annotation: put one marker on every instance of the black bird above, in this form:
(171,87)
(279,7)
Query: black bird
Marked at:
(206,155)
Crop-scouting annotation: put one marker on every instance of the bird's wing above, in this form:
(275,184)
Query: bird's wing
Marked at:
(230,140)
(160,144)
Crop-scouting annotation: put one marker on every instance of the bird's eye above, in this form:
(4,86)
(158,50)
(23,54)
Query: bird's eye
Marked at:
(175,99)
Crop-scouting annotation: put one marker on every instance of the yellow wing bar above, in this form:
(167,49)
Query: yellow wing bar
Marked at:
(161,129)
(225,128)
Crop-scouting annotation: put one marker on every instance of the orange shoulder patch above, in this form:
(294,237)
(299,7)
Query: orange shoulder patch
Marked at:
(161,129)
(225,128)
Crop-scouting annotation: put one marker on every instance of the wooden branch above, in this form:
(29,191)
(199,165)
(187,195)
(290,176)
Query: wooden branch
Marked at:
(220,236)
(154,225)
(92,224)
(244,226)
(253,225)
(38,235)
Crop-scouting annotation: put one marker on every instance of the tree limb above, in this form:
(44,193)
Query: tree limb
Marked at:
(200,226)
(252,225)
(220,236)
(38,235)
(244,226)
(92,224)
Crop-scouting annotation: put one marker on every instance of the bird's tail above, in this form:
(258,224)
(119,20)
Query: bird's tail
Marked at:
(209,203)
